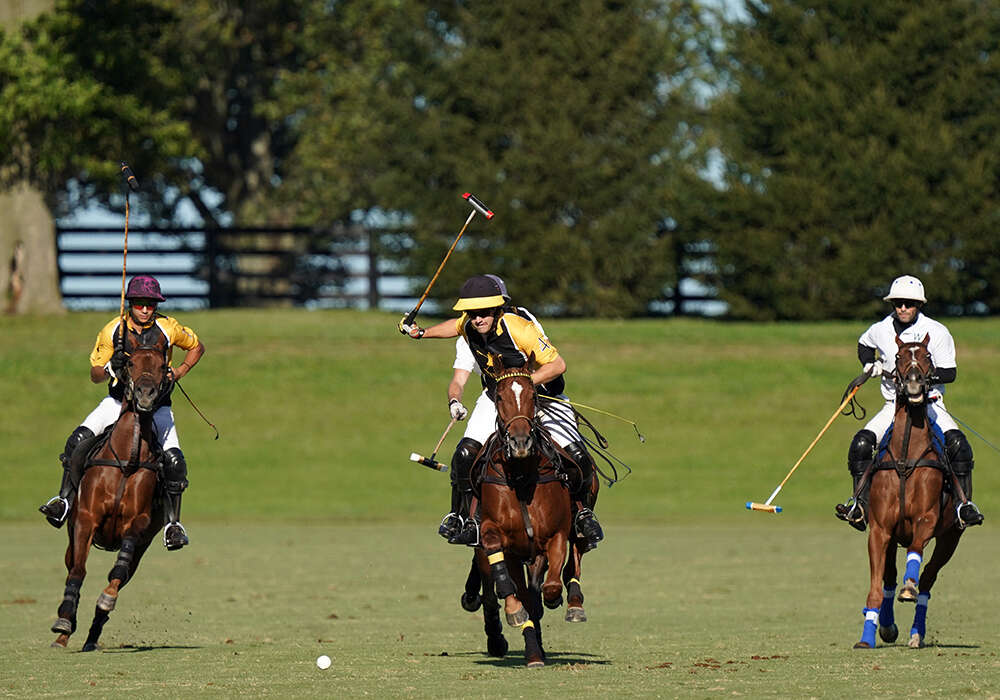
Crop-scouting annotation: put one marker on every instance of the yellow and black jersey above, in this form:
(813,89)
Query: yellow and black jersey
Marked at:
(516,339)
(170,328)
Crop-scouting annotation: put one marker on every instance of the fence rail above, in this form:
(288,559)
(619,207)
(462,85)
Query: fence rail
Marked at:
(338,267)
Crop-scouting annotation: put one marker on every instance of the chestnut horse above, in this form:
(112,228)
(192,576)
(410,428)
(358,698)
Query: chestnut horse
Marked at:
(116,507)
(908,504)
(526,518)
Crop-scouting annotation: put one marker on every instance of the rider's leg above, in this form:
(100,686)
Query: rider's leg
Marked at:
(461,465)
(585,521)
(860,456)
(960,457)
(57,508)
(174,483)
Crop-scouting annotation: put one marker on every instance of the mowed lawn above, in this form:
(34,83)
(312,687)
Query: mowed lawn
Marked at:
(312,532)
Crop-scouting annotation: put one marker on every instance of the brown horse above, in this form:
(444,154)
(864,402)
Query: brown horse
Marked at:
(526,517)
(909,505)
(116,508)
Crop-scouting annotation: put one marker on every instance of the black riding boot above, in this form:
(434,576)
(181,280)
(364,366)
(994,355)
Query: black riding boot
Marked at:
(459,527)
(174,483)
(860,456)
(585,522)
(960,457)
(57,508)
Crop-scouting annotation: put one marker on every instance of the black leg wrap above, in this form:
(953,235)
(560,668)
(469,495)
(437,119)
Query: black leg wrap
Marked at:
(123,564)
(502,580)
(462,461)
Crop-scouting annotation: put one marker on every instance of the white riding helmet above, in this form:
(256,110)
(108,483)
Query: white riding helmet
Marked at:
(906,287)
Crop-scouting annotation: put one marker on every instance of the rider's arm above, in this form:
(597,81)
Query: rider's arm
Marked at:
(549,371)
(457,385)
(944,375)
(445,329)
(866,353)
(189,361)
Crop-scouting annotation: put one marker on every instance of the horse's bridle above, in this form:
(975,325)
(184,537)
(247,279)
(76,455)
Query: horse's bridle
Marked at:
(503,428)
(161,387)
(911,381)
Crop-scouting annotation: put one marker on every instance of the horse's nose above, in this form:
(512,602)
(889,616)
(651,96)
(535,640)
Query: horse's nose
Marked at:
(145,394)
(521,445)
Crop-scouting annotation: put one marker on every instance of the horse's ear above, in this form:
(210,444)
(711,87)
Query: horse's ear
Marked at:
(899,342)
(531,359)
(927,337)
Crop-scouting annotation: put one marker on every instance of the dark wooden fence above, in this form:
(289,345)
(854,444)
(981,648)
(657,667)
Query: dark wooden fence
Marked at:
(336,267)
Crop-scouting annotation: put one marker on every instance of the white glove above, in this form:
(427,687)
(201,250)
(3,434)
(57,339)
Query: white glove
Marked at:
(874,369)
(410,329)
(457,410)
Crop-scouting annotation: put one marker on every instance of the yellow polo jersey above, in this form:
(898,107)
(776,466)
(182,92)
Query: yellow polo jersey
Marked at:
(176,334)
(515,339)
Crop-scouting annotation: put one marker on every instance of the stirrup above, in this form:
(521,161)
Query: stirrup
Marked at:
(853,513)
(588,527)
(451,525)
(173,540)
(55,521)
(975,519)
(468,535)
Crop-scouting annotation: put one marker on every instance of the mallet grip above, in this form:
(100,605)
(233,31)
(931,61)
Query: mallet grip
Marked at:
(410,316)
(478,205)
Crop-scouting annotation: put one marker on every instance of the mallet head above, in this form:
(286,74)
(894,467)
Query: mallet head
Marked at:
(763,507)
(433,464)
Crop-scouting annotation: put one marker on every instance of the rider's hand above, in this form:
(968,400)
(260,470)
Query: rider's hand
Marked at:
(118,360)
(457,410)
(410,329)
(874,369)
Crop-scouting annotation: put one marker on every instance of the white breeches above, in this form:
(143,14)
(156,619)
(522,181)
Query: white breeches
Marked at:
(936,411)
(109,409)
(556,417)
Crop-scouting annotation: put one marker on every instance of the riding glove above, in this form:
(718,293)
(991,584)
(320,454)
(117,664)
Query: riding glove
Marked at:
(874,369)
(458,411)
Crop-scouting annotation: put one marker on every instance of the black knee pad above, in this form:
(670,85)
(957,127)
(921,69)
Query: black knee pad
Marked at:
(578,452)
(959,452)
(462,461)
(861,452)
(73,441)
(174,471)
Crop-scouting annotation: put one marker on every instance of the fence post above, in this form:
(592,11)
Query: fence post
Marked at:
(373,296)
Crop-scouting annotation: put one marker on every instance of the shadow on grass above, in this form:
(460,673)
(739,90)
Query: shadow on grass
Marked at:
(132,649)
(515,659)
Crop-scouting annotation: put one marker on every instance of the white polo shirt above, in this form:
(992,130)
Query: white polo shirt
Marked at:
(882,336)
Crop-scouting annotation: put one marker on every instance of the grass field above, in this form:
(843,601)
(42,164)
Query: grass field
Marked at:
(312,533)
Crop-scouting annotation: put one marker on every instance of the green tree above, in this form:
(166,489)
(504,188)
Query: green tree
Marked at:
(577,122)
(182,90)
(858,142)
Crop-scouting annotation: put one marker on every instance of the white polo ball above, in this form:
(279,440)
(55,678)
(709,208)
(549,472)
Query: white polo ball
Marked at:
(323,662)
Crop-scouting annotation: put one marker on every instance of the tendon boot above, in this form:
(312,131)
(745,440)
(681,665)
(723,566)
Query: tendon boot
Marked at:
(58,507)
(458,527)
(585,523)
(860,457)
(174,483)
(960,457)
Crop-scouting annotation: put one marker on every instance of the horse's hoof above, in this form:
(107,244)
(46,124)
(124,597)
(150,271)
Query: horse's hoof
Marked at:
(518,618)
(471,603)
(863,645)
(916,641)
(908,594)
(888,634)
(576,615)
(106,602)
(90,646)
(552,605)
(536,664)
(496,646)
(60,643)
(62,626)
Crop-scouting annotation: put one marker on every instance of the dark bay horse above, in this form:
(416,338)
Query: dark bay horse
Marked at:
(526,517)
(117,508)
(908,504)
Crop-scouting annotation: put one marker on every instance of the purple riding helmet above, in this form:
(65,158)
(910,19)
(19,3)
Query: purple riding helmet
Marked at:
(144,287)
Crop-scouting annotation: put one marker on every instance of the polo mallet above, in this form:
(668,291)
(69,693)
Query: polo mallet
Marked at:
(477,207)
(133,185)
(430,461)
(766,505)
